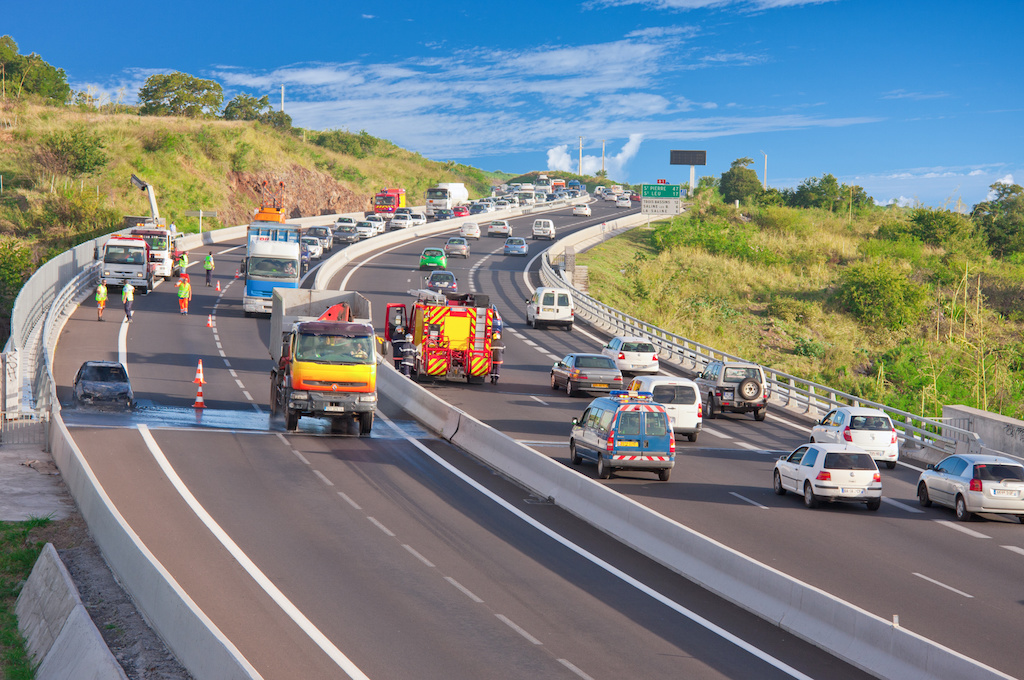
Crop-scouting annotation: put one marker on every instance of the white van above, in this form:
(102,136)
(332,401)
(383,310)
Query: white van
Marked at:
(550,307)
(679,396)
(544,228)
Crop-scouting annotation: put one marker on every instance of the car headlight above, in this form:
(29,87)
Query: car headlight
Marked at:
(300,394)
(138,274)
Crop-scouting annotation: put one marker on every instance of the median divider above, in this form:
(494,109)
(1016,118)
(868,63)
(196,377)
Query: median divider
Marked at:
(852,634)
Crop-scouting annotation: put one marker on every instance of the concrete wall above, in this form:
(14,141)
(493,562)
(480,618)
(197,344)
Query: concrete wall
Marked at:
(1002,435)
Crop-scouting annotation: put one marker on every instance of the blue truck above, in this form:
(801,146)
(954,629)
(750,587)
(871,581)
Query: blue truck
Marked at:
(272,260)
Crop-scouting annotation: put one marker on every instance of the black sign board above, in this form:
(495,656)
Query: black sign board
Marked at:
(688,157)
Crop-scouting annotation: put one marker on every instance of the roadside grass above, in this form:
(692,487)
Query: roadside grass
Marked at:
(18,554)
(767,286)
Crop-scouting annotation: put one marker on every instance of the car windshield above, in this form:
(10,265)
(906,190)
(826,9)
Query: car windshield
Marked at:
(870,423)
(432,252)
(272,267)
(645,347)
(333,349)
(318,231)
(365,225)
(848,461)
(997,472)
(674,394)
(104,374)
(124,255)
(157,242)
(735,375)
(595,362)
(441,277)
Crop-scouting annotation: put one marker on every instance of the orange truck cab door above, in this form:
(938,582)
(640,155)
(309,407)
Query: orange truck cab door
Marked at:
(397,316)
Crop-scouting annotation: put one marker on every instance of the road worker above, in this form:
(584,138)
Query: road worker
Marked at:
(208,266)
(182,263)
(184,293)
(101,299)
(127,296)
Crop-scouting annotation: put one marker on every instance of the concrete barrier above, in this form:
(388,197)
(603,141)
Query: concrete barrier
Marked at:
(852,634)
(60,637)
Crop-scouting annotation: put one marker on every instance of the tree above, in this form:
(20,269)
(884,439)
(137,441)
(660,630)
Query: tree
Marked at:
(1002,218)
(29,74)
(739,182)
(180,94)
(246,107)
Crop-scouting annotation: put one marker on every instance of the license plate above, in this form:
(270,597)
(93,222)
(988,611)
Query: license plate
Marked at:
(851,492)
(639,365)
(600,384)
(629,443)
(1003,492)
(547,309)
(335,408)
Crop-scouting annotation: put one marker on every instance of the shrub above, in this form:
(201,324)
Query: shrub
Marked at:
(73,151)
(781,221)
(879,291)
(241,157)
(788,309)
(807,347)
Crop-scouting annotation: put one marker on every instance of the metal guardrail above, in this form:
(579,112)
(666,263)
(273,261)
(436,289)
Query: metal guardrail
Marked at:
(25,428)
(792,391)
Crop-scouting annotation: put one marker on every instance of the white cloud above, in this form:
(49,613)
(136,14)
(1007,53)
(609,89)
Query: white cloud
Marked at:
(916,96)
(559,158)
(1005,179)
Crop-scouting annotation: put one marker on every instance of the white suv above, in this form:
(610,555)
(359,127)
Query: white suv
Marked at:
(868,428)
(400,221)
(736,387)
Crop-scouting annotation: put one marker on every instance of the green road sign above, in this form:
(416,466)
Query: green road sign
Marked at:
(659,191)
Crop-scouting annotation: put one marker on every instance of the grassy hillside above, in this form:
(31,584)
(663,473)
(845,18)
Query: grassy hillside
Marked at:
(855,302)
(66,175)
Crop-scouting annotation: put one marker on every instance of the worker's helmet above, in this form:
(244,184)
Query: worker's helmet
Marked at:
(408,337)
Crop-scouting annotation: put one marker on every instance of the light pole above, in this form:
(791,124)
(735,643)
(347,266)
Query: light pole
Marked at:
(764,184)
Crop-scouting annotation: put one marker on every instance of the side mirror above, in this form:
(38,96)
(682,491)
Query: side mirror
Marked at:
(575,421)
(783,457)
(931,466)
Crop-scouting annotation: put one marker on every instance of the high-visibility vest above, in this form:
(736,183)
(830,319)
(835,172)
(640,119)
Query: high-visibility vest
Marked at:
(184,289)
(208,262)
(101,293)
(128,293)
(183,261)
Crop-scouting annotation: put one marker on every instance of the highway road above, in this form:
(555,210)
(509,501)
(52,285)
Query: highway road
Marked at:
(399,556)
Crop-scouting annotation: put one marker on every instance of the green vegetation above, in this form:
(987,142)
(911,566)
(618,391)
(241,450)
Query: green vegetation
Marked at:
(18,554)
(914,308)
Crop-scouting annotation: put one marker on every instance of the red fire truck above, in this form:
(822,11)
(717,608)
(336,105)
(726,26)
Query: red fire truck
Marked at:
(388,200)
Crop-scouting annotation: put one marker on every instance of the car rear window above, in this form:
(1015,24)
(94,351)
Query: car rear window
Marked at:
(848,461)
(674,394)
(735,375)
(655,424)
(594,362)
(563,300)
(637,347)
(870,423)
(997,472)
(548,299)
(629,423)
(432,252)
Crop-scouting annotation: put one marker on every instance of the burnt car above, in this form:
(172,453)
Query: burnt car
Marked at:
(105,384)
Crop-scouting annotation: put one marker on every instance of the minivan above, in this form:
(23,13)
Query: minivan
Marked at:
(679,396)
(550,307)
(624,431)
(544,228)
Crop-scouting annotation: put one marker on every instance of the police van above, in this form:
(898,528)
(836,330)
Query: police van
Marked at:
(624,431)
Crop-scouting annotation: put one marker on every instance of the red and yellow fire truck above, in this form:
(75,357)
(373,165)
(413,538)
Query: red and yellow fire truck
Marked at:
(387,200)
(453,334)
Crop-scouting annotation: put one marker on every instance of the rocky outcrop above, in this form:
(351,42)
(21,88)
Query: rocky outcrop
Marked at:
(304,193)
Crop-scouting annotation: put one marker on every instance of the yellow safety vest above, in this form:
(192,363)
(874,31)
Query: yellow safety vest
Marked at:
(128,293)
(101,293)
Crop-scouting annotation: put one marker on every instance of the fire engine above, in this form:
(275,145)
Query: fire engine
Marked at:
(453,334)
(388,200)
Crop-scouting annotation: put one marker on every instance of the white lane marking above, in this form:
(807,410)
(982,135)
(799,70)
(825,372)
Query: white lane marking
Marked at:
(282,438)
(790,423)
(250,567)
(323,478)
(229,250)
(539,399)
(749,447)
(348,499)
(961,529)
(716,433)
(1013,548)
(248,397)
(465,591)
(574,669)
(122,345)
(380,526)
(602,564)
(508,622)
(744,498)
(240,384)
(217,342)
(222,353)
(301,457)
(540,442)
(232,372)
(256,407)
(943,585)
(902,506)
(421,558)
(227,362)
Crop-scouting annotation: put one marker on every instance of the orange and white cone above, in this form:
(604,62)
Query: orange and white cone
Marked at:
(209,321)
(199,374)
(218,286)
(236,273)
(199,398)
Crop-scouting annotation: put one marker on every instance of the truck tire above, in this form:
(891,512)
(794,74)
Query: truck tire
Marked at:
(365,424)
(291,420)
(273,396)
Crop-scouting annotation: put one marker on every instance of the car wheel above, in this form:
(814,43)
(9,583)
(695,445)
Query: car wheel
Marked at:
(759,414)
(962,513)
(777,484)
(711,407)
(569,391)
(603,470)
(692,437)
(922,495)
(664,474)
(749,389)
(554,382)
(291,420)
(574,457)
(365,423)
(890,464)
(874,504)
(568,328)
(810,500)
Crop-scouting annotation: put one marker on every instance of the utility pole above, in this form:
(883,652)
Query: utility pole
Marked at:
(764,184)
(602,157)
(581,158)
(282,97)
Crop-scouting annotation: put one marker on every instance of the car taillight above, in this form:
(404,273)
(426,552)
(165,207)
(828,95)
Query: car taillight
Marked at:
(846,434)
(654,358)
(975,485)
(610,444)
(617,378)
(622,356)
(672,445)
(700,409)
(824,476)
(877,477)
(893,436)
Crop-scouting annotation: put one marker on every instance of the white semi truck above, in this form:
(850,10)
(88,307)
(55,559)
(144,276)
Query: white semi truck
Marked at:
(446,196)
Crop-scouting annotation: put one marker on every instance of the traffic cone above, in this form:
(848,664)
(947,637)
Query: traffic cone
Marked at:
(236,273)
(199,398)
(199,374)
(218,285)
(209,321)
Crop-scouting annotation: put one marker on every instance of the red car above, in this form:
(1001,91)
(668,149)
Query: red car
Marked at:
(461,211)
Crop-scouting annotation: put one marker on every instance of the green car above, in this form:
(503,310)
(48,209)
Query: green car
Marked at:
(433,258)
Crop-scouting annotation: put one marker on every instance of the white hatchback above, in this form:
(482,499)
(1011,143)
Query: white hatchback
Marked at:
(470,230)
(868,428)
(831,473)
(632,354)
(581,210)
(499,228)
(679,396)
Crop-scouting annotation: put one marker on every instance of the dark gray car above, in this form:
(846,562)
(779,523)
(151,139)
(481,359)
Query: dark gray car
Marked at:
(585,372)
(103,383)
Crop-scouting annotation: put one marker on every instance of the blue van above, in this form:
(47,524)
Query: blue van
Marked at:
(624,431)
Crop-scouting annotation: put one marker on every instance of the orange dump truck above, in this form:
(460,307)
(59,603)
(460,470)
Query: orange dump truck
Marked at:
(325,362)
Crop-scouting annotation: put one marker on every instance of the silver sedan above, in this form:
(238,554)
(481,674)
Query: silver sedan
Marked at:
(585,372)
(974,483)
(457,247)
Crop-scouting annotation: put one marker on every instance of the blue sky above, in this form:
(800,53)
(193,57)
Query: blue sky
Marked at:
(915,100)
